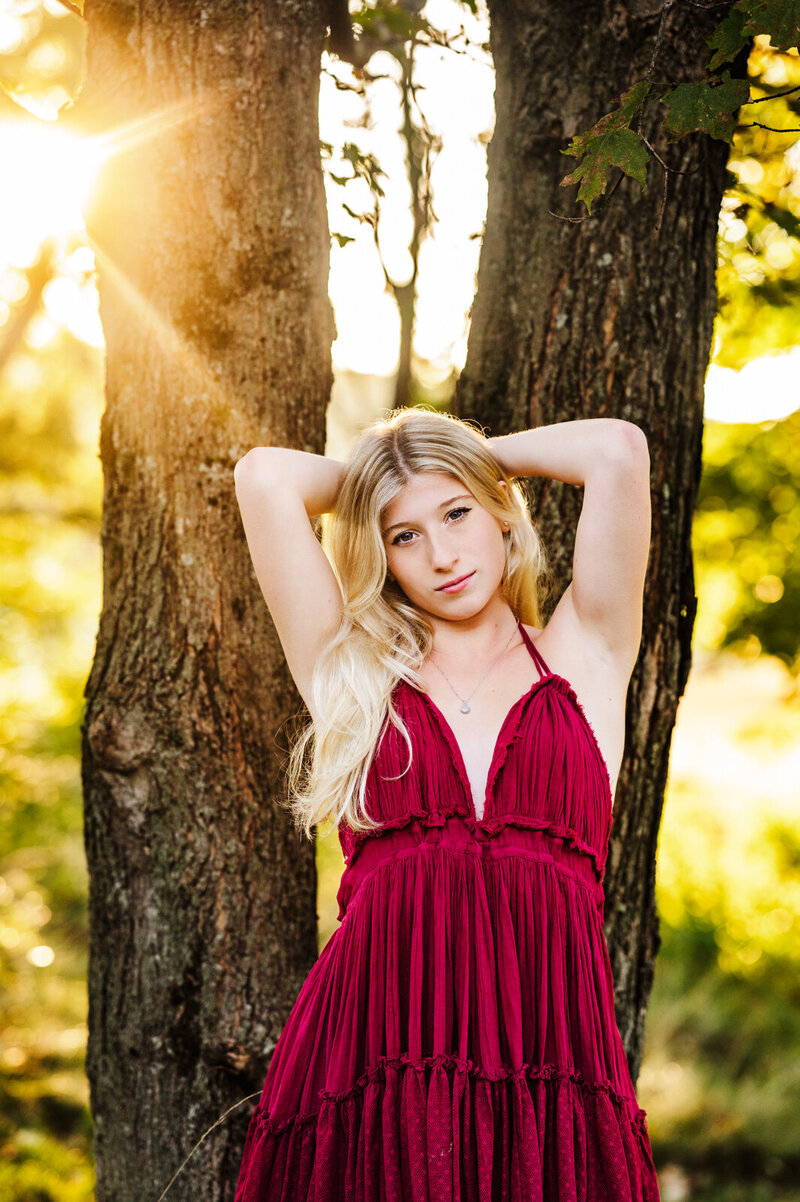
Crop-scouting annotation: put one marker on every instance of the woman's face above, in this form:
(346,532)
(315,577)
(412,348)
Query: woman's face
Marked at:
(435,531)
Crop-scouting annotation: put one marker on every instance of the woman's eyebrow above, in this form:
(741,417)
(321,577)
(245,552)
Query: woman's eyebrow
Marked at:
(443,505)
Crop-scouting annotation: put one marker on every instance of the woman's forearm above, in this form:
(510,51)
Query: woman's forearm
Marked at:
(315,477)
(565,451)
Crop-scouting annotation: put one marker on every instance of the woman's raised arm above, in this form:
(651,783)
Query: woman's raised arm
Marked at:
(609,458)
(565,451)
(278,491)
(316,478)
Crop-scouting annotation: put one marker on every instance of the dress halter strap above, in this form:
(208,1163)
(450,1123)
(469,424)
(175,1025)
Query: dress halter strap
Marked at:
(537,659)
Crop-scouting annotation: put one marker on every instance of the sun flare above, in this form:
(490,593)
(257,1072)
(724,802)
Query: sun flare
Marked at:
(52,173)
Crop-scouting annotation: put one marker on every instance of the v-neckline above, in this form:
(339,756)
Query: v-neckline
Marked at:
(461,765)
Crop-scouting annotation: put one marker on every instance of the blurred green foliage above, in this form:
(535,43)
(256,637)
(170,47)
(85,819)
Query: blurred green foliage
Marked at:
(50,492)
(746,537)
(721,1074)
(758,276)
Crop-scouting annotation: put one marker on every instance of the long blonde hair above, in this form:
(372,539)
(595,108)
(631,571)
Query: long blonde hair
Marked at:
(382,637)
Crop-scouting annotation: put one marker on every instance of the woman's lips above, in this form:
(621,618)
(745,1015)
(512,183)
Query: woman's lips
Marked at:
(456,586)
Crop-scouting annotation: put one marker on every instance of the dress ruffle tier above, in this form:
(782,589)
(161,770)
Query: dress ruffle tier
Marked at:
(456,1039)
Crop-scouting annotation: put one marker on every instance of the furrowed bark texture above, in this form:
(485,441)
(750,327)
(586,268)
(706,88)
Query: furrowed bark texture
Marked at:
(609,317)
(211,237)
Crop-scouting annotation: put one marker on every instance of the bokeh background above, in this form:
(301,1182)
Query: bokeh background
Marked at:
(721,1074)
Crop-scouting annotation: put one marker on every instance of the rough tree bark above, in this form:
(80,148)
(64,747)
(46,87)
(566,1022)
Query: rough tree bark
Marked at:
(212,244)
(609,317)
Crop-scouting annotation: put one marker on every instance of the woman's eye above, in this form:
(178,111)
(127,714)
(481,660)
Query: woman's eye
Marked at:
(396,541)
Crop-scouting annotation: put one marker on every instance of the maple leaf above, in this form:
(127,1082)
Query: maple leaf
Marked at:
(780,19)
(707,106)
(729,37)
(610,143)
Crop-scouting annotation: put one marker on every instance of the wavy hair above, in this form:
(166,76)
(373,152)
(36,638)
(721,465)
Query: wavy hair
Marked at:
(382,636)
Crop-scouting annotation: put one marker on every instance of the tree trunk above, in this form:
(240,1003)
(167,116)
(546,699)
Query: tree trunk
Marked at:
(211,238)
(608,317)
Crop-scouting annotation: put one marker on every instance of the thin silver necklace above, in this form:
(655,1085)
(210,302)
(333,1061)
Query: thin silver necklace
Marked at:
(465,708)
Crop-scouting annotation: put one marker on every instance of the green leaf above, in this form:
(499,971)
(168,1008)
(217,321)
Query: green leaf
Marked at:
(728,38)
(352,213)
(706,106)
(610,148)
(342,239)
(631,102)
(778,18)
(387,21)
(610,143)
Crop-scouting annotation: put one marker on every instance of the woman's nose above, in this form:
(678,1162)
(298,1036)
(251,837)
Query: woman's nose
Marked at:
(442,556)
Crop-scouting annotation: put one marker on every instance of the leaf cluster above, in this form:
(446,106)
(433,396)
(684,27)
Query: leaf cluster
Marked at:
(709,106)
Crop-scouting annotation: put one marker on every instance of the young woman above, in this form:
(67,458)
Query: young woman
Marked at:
(456,1039)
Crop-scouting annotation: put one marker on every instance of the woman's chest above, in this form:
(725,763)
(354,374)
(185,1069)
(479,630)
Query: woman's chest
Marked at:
(476,725)
(544,766)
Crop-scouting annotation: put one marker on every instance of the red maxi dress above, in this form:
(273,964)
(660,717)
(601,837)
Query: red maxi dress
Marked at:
(456,1040)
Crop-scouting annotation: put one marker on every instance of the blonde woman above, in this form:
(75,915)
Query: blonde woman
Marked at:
(456,1039)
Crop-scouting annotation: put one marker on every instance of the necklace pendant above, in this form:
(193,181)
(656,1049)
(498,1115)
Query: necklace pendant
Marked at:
(465,708)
